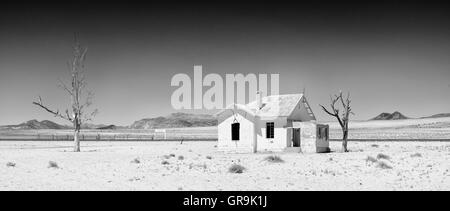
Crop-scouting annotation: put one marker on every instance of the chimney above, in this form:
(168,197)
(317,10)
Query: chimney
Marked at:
(259,99)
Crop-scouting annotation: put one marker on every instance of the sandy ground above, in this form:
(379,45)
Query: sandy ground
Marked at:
(110,166)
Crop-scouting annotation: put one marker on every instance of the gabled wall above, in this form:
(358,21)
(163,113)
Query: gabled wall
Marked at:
(245,143)
(300,113)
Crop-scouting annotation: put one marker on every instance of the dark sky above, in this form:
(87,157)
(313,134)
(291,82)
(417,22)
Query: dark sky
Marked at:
(390,56)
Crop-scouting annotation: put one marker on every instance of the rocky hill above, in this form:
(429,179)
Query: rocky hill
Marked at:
(35,124)
(46,124)
(387,116)
(176,120)
(109,127)
(438,115)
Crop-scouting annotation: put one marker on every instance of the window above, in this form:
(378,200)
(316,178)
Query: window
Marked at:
(323,133)
(235,131)
(270,126)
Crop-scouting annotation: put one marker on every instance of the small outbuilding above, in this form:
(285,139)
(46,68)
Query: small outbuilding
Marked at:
(271,124)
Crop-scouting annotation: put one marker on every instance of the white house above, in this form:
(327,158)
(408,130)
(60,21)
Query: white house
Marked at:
(273,123)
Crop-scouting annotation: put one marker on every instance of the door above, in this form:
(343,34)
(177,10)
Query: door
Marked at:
(296,137)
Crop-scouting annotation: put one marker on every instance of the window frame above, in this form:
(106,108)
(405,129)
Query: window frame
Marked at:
(270,130)
(233,135)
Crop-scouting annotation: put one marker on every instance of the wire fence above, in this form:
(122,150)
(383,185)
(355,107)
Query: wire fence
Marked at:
(109,136)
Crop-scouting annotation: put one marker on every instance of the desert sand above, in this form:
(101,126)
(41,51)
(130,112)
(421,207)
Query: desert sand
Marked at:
(196,165)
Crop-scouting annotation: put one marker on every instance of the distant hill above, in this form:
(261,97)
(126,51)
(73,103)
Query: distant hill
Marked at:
(46,124)
(387,116)
(438,115)
(34,124)
(109,127)
(176,120)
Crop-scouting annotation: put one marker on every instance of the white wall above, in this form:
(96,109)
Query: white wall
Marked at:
(245,143)
(308,134)
(280,140)
(310,143)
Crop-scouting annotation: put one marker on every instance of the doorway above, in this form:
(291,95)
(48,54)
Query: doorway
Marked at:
(296,137)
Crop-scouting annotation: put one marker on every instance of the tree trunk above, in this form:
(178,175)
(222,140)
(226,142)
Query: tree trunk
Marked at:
(344,139)
(76,138)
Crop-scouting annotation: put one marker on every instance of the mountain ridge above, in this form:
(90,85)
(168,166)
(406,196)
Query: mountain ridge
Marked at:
(47,124)
(390,116)
(176,120)
(437,115)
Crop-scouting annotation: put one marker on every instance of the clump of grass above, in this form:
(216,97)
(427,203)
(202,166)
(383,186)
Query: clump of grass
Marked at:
(172,155)
(166,156)
(236,169)
(208,157)
(180,157)
(204,166)
(375,145)
(11,164)
(384,165)
(274,159)
(53,164)
(371,159)
(383,156)
(136,160)
(165,162)
(416,155)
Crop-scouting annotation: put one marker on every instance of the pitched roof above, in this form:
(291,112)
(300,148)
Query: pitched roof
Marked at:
(276,105)
(272,106)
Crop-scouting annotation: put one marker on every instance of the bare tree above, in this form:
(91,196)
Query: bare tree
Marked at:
(344,118)
(80,101)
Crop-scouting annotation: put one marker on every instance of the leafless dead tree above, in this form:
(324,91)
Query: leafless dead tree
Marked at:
(80,101)
(344,118)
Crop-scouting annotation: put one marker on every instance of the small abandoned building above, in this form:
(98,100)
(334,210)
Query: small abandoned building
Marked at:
(273,123)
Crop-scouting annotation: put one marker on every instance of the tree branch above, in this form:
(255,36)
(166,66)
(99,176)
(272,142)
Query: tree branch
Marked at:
(56,113)
(323,107)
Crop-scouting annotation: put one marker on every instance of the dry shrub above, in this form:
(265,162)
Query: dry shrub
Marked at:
(53,164)
(11,164)
(371,159)
(165,162)
(416,155)
(383,156)
(384,165)
(204,166)
(375,145)
(274,159)
(208,157)
(236,169)
(181,157)
(136,160)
